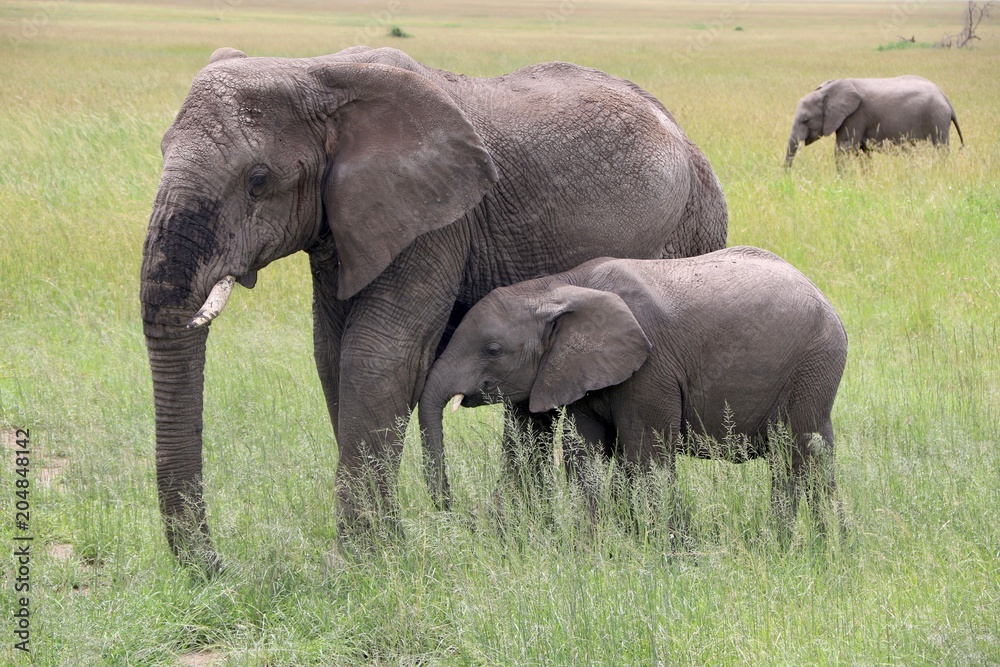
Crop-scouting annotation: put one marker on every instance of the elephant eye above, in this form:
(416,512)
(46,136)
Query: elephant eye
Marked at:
(257,180)
(493,350)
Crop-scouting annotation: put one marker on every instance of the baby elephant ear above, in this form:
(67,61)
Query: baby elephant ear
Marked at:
(594,342)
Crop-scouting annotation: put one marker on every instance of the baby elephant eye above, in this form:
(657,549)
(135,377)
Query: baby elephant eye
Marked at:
(257,180)
(493,350)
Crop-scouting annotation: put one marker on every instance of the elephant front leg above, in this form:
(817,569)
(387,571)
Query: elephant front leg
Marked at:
(527,451)
(374,407)
(584,440)
(389,338)
(329,316)
(526,460)
(649,494)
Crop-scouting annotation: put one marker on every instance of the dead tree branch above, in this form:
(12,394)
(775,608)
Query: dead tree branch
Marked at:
(975,12)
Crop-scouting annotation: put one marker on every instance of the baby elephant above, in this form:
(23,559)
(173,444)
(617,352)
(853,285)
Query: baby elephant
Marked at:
(649,356)
(867,112)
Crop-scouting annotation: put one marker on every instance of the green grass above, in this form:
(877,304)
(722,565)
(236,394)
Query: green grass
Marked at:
(904,44)
(904,245)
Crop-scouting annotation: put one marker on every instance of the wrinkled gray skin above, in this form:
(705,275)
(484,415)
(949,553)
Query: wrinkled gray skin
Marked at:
(415,192)
(866,112)
(646,354)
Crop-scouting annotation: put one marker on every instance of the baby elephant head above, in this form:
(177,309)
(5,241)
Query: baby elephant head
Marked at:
(549,345)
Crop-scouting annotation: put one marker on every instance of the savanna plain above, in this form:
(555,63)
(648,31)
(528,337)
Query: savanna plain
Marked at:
(904,244)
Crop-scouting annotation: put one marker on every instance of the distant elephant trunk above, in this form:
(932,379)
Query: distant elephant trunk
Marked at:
(793,147)
(435,396)
(801,133)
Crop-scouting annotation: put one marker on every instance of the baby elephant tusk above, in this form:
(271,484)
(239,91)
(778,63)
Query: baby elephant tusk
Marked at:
(456,401)
(214,304)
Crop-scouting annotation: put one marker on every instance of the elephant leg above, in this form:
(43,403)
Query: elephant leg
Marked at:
(329,315)
(390,334)
(645,452)
(813,477)
(373,408)
(801,467)
(811,461)
(841,156)
(380,380)
(590,438)
(527,449)
(783,502)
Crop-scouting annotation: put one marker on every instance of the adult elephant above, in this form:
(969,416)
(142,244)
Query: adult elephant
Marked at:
(415,192)
(866,112)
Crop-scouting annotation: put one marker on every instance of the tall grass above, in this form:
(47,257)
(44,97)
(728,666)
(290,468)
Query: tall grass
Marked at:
(904,245)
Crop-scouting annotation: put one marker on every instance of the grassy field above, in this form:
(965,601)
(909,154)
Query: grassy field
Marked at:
(905,246)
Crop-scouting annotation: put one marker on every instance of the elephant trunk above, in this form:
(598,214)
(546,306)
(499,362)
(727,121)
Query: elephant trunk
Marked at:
(172,267)
(800,133)
(177,365)
(435,396)
(793,147)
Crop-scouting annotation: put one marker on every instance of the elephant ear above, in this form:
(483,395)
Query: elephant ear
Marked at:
(403,161)
(840,101)
(593,341)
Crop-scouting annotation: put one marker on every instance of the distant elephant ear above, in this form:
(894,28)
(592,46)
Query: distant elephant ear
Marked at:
(225,53)
(595,342)
(403,161)
(841,100)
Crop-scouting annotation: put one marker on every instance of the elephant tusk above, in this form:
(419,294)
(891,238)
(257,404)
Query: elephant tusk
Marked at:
(456,401)
(214,304)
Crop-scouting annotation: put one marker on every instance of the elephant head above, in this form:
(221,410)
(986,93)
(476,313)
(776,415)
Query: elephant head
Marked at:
(266,157)
(547,345)
(821,113)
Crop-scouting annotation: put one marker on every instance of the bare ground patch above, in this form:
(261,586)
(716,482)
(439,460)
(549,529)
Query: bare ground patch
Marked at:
(46,467)
(201,659)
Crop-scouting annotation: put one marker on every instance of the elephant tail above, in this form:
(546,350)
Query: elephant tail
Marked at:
(954,119)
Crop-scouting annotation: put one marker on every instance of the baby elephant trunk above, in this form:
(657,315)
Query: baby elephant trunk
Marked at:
(432,403)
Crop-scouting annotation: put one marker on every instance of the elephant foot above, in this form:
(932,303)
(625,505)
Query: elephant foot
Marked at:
(357,546)
(193,548)
(365,531)
(339,560)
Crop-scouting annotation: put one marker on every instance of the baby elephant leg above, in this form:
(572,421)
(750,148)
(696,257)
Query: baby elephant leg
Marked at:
(802,466)
(527,450)
(651,493)
(818,482)
(581,448)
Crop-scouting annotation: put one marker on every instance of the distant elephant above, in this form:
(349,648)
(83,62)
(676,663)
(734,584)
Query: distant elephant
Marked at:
(415,192)
(651,356)
(866,112)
